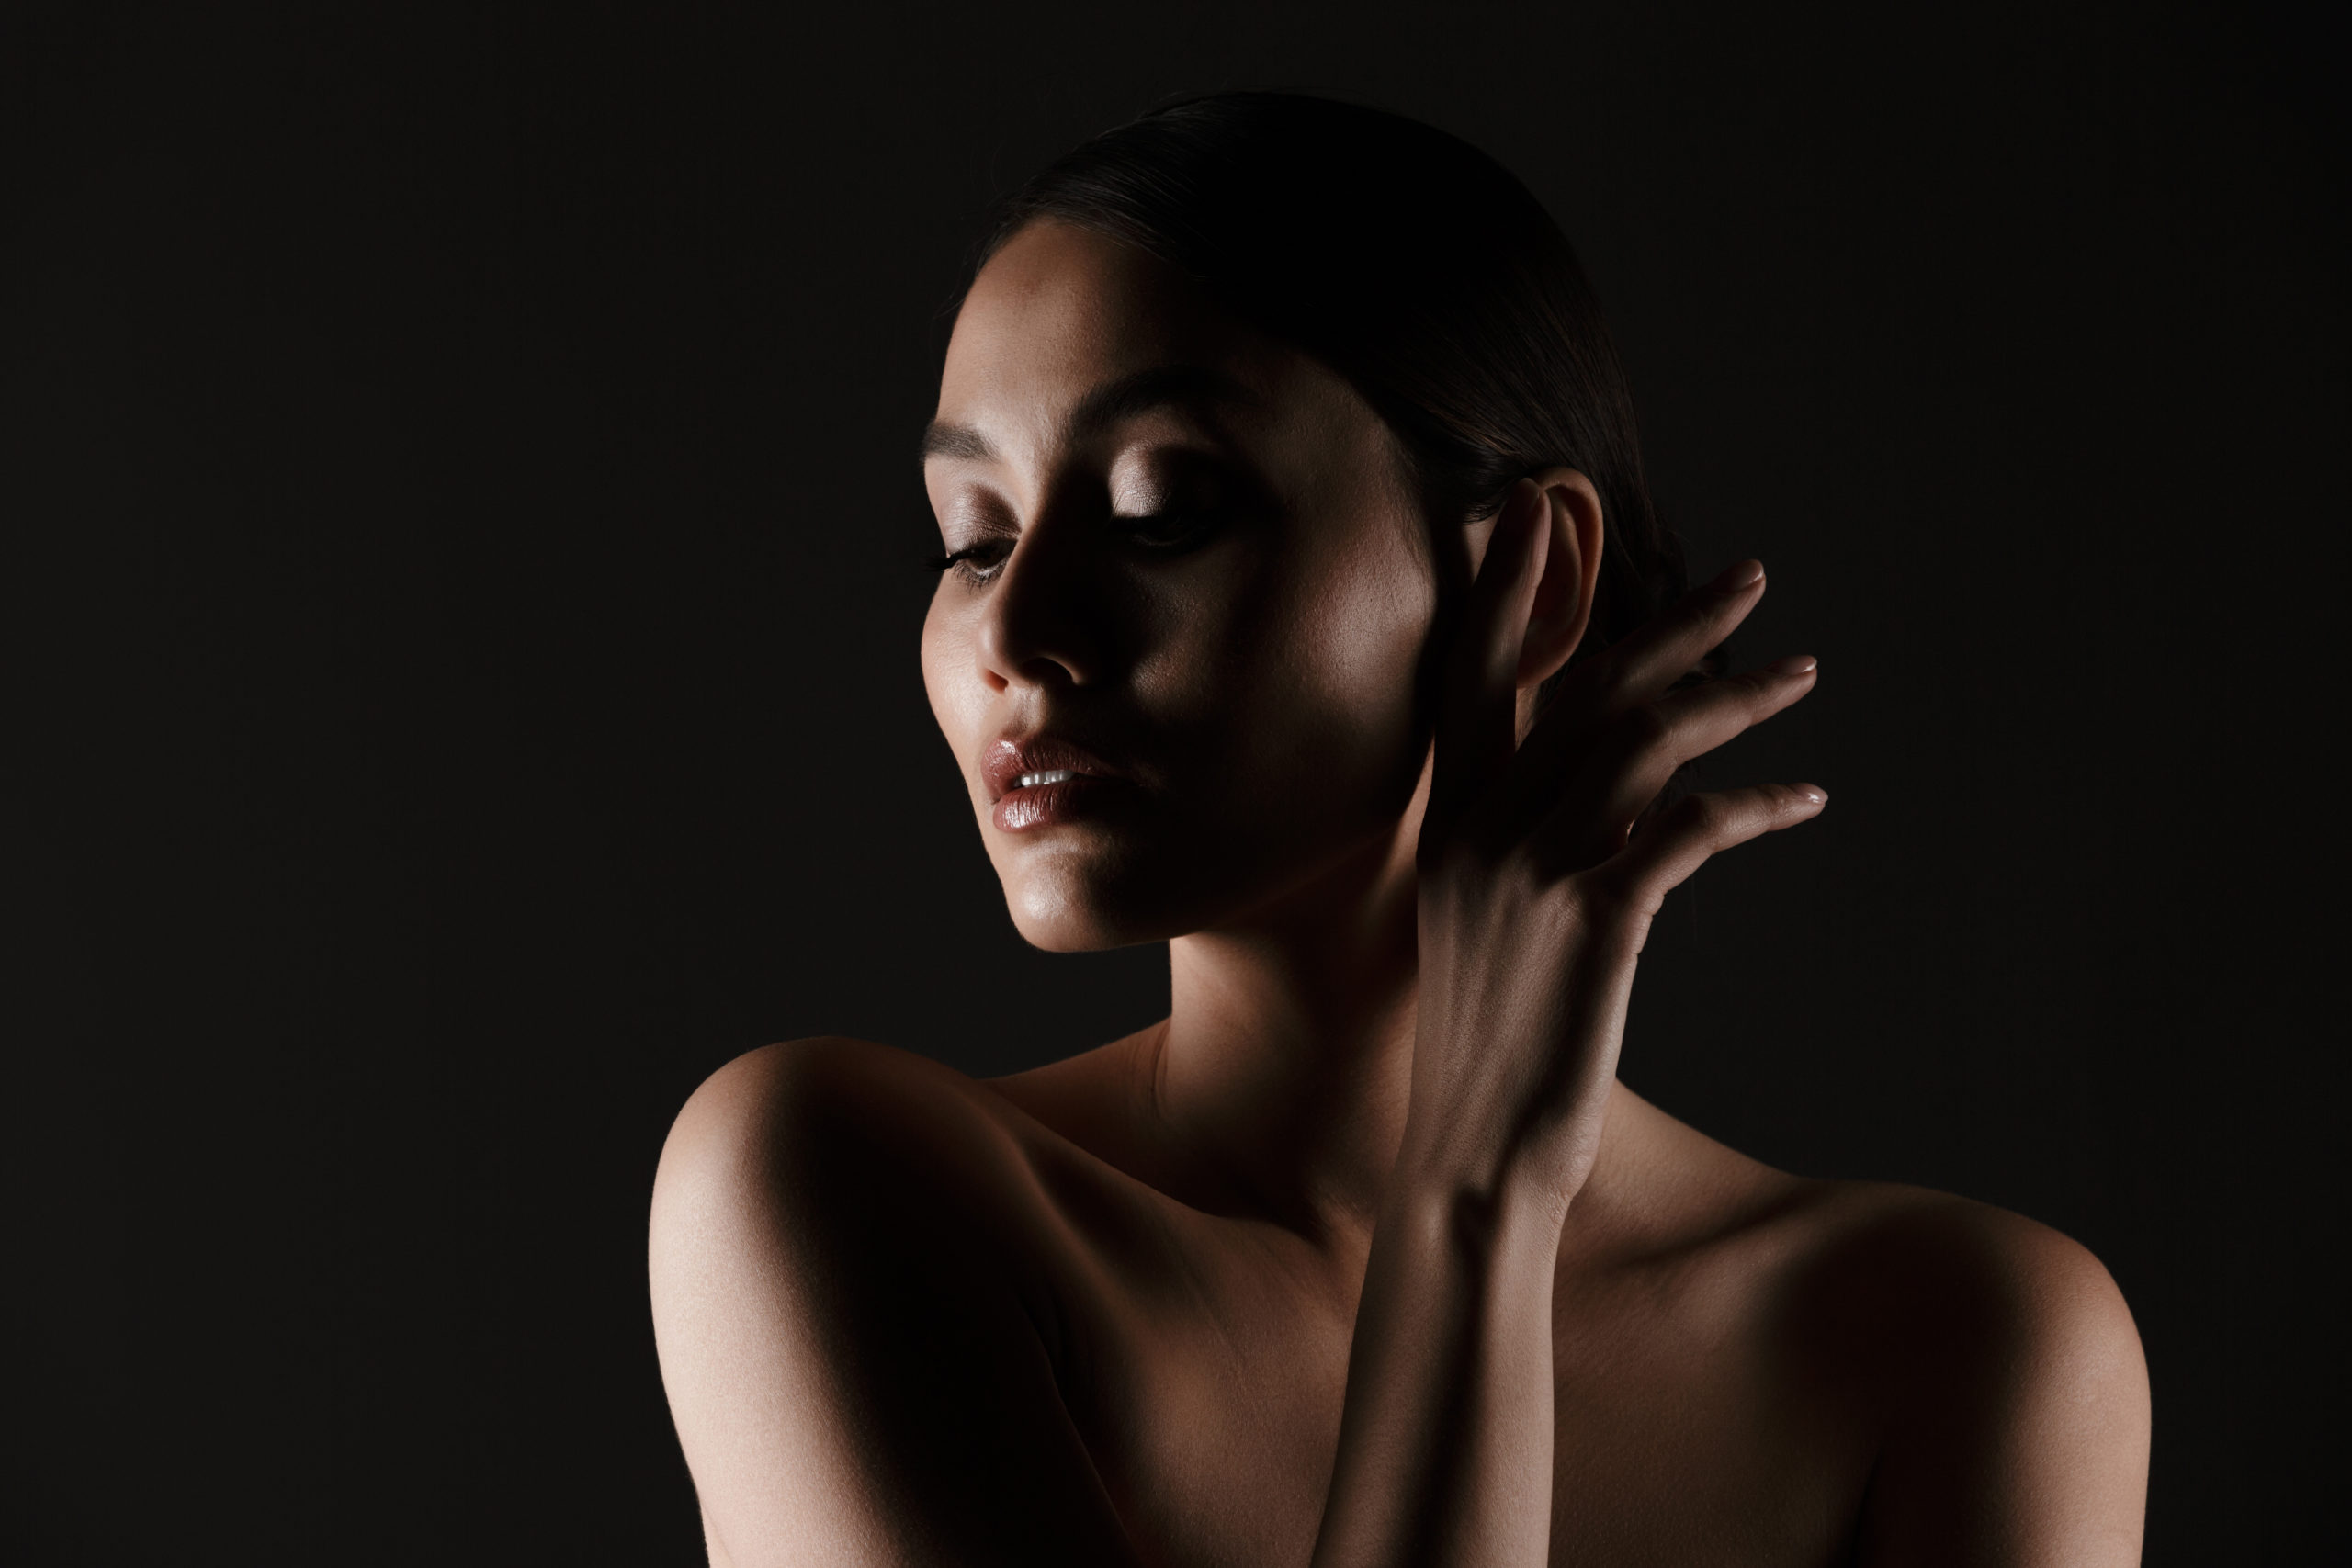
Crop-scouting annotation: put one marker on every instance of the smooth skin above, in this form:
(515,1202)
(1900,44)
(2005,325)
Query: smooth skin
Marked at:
(1362,1256)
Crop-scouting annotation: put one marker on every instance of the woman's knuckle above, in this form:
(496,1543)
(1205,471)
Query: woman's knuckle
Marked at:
(1612,898)
(1594,897)
(1524,875)
(1709,814)
(1646,727)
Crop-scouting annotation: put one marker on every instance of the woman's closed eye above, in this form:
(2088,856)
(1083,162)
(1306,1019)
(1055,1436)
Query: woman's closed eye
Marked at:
(975,563)
(1165,531)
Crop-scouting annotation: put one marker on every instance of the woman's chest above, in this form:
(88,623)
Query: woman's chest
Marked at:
(1207,1387)
(1692,1427)
(1683,1433)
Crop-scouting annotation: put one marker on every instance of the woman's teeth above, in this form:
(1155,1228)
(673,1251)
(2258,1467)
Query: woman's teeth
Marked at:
(1051,775)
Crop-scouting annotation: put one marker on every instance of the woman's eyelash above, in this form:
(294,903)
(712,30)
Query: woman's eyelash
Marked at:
(1162,530)
(1165,528)
(978,562)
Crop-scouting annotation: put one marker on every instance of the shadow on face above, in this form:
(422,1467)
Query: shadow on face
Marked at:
(1179,639)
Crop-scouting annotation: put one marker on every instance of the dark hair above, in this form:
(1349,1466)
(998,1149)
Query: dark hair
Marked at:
(1413,264)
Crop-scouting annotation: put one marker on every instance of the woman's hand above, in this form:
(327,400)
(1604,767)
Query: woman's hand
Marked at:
(1536,895)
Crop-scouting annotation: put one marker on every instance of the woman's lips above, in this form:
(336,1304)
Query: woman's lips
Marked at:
(1044,780)
(1058,797)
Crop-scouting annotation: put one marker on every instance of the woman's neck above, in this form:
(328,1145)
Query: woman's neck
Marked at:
(1283,1072)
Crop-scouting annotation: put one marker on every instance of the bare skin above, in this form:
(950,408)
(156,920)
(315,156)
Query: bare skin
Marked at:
(1362,1255)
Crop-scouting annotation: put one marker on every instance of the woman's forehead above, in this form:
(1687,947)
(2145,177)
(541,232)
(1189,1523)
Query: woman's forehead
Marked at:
(1060,311)
(1065,328)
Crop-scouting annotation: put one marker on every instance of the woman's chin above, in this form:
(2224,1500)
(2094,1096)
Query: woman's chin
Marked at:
(1075,905)
(1055,920)
(1084,894)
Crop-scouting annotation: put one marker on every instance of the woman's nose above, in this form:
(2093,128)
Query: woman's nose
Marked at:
(1035,621)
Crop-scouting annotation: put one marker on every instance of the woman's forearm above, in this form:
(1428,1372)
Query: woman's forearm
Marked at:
(1445,1441)
(1535,893)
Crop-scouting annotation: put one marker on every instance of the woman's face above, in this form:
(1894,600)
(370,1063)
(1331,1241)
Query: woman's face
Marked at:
(1178,644)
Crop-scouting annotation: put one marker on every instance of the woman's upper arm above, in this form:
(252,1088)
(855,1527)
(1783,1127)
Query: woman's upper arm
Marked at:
(2022,1432)
(852,1371)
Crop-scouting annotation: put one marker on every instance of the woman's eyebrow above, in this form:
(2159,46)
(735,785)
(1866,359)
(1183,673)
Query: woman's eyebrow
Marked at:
(1197,387)
(1192,387)
(941,439)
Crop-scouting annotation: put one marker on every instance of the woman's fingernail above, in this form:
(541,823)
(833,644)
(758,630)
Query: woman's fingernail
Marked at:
(1527,503)
(1794,664)
(1732,579)
(1815,794)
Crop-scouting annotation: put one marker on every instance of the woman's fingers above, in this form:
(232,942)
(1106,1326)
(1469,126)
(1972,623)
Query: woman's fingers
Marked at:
(1662,857)
(1671,645)
(1636,753)
(1641,666)
(1477,714)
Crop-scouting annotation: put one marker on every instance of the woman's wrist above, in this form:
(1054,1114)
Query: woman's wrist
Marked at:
(1481,1199)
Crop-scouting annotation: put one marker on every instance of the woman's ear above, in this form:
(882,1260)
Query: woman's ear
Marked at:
(1563,608)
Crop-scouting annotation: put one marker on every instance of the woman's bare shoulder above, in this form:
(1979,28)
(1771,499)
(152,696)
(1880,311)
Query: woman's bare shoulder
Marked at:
(852,1331)
(1999,1364)
(832,1102)
(816,1138)
(1970,1313)
(1987,1358)
(1918,1292)
(1868,1245)
(842,1072)
(1940,1275)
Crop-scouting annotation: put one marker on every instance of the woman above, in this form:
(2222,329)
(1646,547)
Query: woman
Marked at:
(1302,607)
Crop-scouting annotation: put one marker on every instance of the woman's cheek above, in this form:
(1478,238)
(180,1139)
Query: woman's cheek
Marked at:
(951,679)
(1365,635)
(1200,648)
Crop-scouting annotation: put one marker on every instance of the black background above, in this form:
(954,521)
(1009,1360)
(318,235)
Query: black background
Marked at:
(460,596)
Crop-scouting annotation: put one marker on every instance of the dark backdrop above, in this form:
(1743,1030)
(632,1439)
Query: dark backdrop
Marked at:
(461,593)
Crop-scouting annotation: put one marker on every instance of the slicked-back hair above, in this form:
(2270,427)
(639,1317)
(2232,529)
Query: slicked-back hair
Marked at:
(1410,262)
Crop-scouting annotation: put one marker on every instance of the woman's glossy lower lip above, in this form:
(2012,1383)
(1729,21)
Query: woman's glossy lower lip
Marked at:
(1051,805)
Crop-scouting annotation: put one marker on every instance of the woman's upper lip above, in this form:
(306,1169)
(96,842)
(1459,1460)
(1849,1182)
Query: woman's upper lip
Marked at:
(1008,757)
